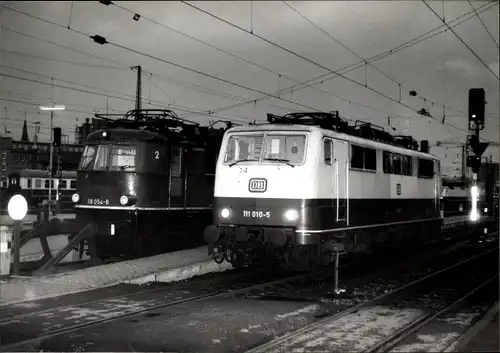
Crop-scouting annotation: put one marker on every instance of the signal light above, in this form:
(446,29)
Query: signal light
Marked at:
(57,137)
(477,106)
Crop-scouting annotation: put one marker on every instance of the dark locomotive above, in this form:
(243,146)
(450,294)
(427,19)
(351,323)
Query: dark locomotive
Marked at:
(146,182)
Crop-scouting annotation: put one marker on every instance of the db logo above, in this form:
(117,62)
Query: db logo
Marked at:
(257,185)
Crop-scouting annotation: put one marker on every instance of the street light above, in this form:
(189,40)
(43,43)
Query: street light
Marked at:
(17,209)
(51,109)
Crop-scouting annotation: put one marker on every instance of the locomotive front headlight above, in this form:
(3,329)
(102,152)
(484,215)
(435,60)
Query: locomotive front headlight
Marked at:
(291,215)
(123,200)
(225,213)
(75,197)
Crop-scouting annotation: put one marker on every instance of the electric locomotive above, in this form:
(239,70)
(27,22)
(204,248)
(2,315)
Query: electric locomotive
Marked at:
(309,186)
(146,183)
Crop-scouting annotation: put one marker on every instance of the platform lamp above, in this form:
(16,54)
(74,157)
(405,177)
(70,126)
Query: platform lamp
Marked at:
(17,209)
(51,109)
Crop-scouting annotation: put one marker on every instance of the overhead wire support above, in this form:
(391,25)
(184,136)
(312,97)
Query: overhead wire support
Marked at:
(461,40)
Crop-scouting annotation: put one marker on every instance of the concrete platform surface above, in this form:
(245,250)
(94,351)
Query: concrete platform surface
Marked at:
(484,336)
(166,267)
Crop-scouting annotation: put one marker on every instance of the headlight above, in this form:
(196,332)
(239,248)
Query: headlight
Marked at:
(291,215)
(123,200)
(75,198)
(486,209)
(224,213)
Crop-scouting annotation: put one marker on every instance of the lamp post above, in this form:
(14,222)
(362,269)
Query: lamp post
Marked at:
(51,109)
(17,209)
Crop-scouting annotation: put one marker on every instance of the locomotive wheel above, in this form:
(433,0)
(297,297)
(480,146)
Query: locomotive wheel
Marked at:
(235,258)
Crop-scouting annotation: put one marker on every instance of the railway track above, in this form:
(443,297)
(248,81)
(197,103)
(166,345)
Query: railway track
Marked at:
(384,322)
(236,283)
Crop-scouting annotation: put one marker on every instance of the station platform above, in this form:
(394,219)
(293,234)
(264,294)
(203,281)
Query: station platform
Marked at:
(484,336)
(162,268)
(165,268)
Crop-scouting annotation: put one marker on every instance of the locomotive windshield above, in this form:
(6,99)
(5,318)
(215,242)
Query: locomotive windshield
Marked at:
(266,147)
(108,157)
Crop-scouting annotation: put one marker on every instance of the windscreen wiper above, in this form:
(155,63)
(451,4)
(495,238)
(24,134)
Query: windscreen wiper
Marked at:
(286,161)
(122,167)
(242,160)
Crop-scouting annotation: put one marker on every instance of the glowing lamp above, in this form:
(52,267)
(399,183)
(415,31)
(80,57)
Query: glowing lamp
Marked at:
(17,207)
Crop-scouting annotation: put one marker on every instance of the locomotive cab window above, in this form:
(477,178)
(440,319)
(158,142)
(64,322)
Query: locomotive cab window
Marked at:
(328,152)
(289,148)
(243,147)
(109,157)
(87,157)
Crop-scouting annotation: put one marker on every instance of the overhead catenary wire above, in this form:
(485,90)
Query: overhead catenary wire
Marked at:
(102,40)
(309,60)
(180,108)
(153,57)
(402,46)
(279,74)
(484,25)
(121,66)
(327,77)
(400,85)
(461,40)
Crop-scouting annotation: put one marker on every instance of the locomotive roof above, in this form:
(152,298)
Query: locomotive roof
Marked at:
(266,127)
(39,173)
(121,134)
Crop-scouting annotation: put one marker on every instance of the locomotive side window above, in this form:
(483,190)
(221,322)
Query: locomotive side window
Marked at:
(356,157)
(73,184)
(38,183)
(87,157)
(328,152)
(176,161)
(407,165)
(387,156)
(425,168)
(396,166)
(243,147)
(370,156)
(29,183)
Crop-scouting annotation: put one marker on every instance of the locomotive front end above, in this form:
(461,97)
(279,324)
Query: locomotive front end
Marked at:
(120,174)
(260,198)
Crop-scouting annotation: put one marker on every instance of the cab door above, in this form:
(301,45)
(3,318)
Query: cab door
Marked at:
(341,157)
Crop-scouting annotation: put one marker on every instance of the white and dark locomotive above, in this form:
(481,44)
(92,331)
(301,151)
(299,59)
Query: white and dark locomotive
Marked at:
(143,179)
(307,185)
